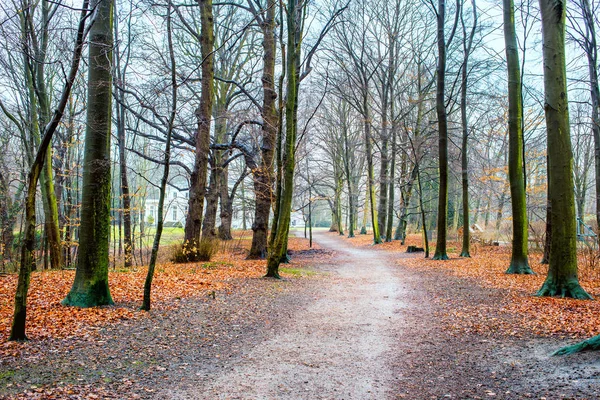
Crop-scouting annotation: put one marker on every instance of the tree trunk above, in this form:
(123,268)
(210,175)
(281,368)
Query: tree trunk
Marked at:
(562,279)
(167,158)
(126,198)
(442,217)
(263,177)
(278,248)
(519,263)
(467,45)
(20,312)
(351,204)
(90,287)
(209,222)
(370,173)
(547,240)
(193,221)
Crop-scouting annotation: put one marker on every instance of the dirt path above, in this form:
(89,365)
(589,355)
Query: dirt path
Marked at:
(340,346)
(362,327)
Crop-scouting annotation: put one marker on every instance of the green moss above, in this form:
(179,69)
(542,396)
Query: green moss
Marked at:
(6,374)
(297,272)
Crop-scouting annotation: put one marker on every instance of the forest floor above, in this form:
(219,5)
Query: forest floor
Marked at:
(348,321)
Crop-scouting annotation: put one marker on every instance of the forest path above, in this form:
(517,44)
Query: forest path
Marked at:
(338,347)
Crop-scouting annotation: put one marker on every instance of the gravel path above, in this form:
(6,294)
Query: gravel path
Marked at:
(338,347)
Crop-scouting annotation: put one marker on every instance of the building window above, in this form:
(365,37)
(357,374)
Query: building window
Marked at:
(174,213)
(174,195)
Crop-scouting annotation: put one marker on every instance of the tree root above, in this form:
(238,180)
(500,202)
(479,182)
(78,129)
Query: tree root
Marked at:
(570,289)
(520,268)
(590,344)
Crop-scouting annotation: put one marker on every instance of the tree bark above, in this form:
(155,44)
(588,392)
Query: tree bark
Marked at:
(263,177)
(90,287)
(519,263)
(193,221)
(562,279)
(278,247)
(467,45)
(20,312)
(167,158)
(442,217)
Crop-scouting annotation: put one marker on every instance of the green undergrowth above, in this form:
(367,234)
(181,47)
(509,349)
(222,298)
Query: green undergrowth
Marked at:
(297,272)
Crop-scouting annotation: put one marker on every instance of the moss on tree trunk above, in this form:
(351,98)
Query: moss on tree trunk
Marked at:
(562,279)
(90,287)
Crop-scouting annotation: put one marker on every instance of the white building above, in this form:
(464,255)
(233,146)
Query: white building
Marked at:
(175,208)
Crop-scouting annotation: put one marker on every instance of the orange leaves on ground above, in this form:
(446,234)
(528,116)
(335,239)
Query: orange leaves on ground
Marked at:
(519,311)
(47,318)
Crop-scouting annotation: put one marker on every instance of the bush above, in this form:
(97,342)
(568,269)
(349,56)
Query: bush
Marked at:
(207,248)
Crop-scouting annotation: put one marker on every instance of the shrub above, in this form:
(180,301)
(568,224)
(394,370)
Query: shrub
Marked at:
(207,248)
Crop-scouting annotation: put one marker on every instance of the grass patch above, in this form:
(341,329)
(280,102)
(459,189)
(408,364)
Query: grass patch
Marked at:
(297,272)
(6,374)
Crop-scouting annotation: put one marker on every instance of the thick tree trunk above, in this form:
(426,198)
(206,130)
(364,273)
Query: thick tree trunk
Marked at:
(193,221)
(562,279)
(263,177)
(519,263)
(90,287)
(442,216)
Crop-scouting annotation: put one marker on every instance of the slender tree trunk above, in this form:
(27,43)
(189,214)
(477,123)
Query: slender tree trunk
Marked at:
(193,222)
(351,204)
(442,216)
(209,222)
(467,44)
(278,248)
(519,263)
(20,312)
(370,173)
(382,208)
(390,211)
(548,236)
(167,158)
(562,279)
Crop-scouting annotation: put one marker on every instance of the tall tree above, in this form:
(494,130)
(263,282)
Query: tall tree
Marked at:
(17,331)
(263,177)
(90,287)
(167,158)
(278,245)
(442,216)
(193,222)
(519,263)
(121,67)
(589,44)
(467,48)
(562,279)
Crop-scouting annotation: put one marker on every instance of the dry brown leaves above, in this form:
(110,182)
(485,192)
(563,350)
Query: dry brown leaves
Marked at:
(47,318)
(519,313)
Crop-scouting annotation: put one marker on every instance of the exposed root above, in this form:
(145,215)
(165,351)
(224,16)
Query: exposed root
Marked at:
(590,344)
(520,268)
(570,289)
